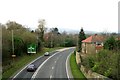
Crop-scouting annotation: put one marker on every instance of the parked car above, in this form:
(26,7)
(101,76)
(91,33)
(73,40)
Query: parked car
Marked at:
(46,54)
(31,67)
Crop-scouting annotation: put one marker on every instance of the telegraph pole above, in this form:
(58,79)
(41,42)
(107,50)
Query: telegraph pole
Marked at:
(51,40)
(12,43)
(13,55)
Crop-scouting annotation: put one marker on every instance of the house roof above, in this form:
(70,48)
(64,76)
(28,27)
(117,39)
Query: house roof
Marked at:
(89,39)
(94,38)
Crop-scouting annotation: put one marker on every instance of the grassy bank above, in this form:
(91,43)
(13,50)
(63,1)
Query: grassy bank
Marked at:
(77,74)
(20,62)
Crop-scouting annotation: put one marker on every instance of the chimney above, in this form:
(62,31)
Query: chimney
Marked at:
(95,35)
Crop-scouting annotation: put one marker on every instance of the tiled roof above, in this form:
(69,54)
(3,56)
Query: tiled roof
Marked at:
(89,39)
(94,38)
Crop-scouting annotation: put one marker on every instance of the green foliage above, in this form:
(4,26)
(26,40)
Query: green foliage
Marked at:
(81,37)
(18,46)
(12,25)
(56,39)
(68,42)
(88,62)
(95,67)
(75,52)
(108,72)
(105,62)
(110,43)
(117,45)
(22,37)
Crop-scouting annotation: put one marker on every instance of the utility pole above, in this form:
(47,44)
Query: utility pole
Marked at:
(12,43)
(13,55)
(51,40)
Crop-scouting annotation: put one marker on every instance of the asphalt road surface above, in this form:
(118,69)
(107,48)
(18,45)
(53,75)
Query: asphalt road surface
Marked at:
(53,66)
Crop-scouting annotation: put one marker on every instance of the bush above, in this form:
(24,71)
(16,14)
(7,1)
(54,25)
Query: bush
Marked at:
(95,67)
(88,62)
(108,72)
(105,62)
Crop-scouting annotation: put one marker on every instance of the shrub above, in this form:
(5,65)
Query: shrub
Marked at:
(88,62)
(105,62)
(108,72)
(95,67)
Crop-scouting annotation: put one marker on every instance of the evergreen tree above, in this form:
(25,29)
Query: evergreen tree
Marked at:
(110,43)
(81,37)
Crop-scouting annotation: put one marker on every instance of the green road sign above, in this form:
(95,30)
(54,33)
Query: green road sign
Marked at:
(31,48)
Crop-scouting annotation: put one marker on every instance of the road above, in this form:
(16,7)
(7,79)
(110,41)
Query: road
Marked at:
(53,66)
(25,74)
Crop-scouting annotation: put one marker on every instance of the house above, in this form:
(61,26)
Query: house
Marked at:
(92,44)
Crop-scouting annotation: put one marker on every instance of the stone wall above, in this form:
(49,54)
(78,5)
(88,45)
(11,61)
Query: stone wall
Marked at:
(88,73)
(78,61)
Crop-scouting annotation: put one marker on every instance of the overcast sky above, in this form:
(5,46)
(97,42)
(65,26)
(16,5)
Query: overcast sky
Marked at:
(92,15)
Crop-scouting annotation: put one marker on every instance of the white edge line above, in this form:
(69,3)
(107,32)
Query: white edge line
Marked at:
(34,75)
(25,67)
(67,65)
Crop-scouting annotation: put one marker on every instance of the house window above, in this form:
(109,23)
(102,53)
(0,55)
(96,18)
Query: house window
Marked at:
(98,43)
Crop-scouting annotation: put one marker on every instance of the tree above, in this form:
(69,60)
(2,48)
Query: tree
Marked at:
(40,32)
(81,37)
(110,43)
(41,29)
(12,25)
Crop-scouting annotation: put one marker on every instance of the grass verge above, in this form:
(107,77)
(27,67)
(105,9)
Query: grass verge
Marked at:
(77,74)
(20,62)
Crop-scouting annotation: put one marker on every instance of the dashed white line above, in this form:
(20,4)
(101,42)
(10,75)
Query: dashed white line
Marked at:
(52,67)
(55,61)
(50,76)
(34,75)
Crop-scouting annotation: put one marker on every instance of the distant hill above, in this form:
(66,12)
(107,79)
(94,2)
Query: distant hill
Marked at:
(76,31)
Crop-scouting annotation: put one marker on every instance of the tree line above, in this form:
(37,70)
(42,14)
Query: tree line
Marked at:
(23,36)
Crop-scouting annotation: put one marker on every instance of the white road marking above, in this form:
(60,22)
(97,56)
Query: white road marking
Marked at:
(67,66)
(52,67)
(55,61)
(50,76)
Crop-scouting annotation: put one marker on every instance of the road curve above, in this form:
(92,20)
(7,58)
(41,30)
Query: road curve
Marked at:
(54,67)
